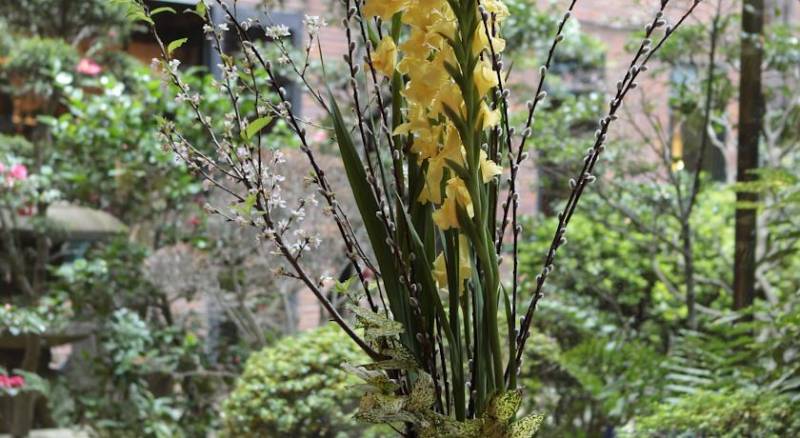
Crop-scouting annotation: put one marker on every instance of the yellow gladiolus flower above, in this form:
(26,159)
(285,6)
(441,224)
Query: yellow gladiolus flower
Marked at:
(426,143)
(490,118)
(426,79)
(426,136)
(440,271)
(489,169)
(432,191)
(384,8)
(457,195)
(444,26)
(415,49)
(481,42)
(384,58)
(464,265)
(453,151)
(496,8)
(450,96)
(485,77)
(425,13)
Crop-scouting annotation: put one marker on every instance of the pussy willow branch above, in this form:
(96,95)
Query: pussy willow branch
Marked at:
(354,69)
(501,100)
(513,196)
(373,178)
(514,163)
(527,131)
(712,63)
(497,66)
(397,152)
(386,213)
(638,65)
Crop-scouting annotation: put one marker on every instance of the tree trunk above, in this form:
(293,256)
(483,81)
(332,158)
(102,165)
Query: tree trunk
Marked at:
(751,110)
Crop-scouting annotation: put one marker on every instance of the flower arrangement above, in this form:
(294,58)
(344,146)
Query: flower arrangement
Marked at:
(433,164)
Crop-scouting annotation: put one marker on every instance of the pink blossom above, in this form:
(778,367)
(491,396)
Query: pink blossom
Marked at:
(89,67)
(320,136)
(18,172)
(11,381)
(2,168)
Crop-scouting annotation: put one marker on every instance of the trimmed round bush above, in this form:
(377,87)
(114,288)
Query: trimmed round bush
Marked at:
(297,388)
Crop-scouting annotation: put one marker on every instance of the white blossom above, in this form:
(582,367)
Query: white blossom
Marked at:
(313,23)
(277,31)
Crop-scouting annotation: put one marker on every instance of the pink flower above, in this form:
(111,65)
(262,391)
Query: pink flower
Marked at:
(18,172)
(11,381)
(16,381)
(320,136)
(2,168)
(89,67)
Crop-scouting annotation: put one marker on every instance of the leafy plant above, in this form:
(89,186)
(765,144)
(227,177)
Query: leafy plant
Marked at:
(39,66)
(728,413)
(297,387)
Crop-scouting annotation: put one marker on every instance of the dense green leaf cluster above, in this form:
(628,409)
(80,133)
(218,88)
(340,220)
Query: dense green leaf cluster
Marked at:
(726,414)
(610,313)
(297,388)
(71,20)
(39,66)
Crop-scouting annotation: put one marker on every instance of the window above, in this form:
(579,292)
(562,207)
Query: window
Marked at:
(171,27)
(688,130)
(198,51)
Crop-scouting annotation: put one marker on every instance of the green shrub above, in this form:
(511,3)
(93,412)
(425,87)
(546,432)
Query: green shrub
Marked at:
(729,413)
(296,388)
(37,64)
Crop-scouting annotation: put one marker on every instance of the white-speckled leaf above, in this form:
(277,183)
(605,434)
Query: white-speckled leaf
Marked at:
(525,427)
(504,406)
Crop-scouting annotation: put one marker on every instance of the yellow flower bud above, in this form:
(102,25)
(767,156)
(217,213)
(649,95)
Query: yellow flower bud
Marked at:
(457,195)
(440,271)
(489,169)
(384,58)
(384,8)
(496,8)
(453,151)
(490,118)
(485,77)
(464,265)
(481,42)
